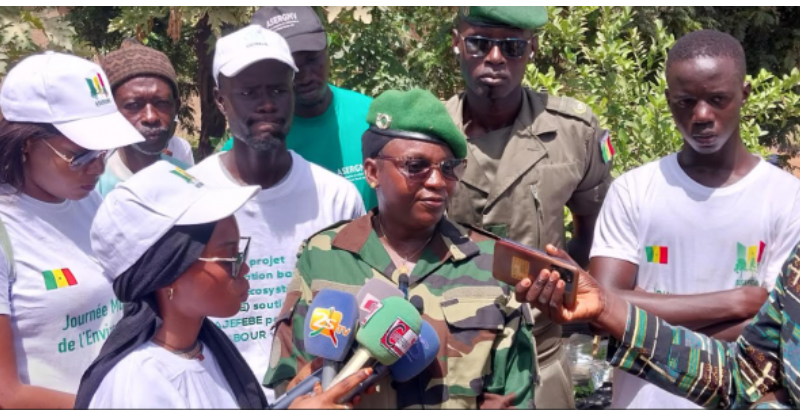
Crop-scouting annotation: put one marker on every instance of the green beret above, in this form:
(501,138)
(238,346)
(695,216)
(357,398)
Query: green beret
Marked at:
(523,17)
(417,115)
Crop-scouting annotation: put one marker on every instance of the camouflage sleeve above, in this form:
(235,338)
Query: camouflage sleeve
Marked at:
(712,373)
(288,352)
(514,362)
(589,195)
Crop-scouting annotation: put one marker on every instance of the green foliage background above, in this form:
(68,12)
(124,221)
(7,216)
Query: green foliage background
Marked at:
(612,58)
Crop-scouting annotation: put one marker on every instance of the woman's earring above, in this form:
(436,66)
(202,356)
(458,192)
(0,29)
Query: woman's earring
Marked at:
(170,293)
(24,158)
(456,50)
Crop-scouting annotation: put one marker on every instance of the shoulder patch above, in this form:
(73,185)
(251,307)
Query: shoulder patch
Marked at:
(570,107)
(606,148)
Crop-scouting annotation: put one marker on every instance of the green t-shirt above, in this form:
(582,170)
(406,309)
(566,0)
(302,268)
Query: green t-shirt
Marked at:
(333,139)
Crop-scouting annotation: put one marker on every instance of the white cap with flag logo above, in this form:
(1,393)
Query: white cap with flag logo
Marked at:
(70,93)
(245,47)
(141,210)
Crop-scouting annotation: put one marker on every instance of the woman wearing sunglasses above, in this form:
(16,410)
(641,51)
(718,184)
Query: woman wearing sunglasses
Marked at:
(184,261)
(56,308)
(413,157)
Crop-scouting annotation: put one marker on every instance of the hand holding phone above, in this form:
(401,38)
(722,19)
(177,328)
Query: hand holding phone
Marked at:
(514,262)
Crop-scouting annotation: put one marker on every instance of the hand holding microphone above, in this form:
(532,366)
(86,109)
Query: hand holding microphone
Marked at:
(332,399)
(417,359)
(329,331)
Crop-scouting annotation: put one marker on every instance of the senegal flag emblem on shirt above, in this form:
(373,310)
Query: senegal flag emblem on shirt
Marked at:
(657,254)
(58,278)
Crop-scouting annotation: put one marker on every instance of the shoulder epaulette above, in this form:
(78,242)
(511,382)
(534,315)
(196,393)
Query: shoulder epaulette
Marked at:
(474,230)
(570,107)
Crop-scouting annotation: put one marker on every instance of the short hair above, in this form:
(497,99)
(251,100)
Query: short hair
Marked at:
(13,136)
(708,43)
(372,144)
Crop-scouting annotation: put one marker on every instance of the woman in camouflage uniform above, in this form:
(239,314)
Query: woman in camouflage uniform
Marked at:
(414,156)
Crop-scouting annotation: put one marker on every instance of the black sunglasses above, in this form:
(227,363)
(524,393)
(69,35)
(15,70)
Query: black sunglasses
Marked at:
(419,169)
(238,262)
(478,46)
(79,161)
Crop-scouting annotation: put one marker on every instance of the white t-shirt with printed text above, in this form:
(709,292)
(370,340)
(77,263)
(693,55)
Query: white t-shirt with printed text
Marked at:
(278,220)
(61,306)
(689,239)
(152,377)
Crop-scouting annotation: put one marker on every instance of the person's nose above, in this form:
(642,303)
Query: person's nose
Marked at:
(495,56)
(435,180)
(150,116)
(702,113)
(97,166)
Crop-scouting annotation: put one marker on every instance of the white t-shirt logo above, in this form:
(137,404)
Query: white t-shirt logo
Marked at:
(748,262)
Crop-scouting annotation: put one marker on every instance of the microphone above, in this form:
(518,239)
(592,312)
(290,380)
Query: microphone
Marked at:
(329,329)
(370,295)
(328,332)
(388,334)
(420,356)
(404,285)
(418,303)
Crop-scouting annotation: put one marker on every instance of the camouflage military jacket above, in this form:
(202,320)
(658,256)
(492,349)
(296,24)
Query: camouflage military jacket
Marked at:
(486,337)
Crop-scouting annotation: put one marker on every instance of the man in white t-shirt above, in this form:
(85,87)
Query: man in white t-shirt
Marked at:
(145,89)
(253,68)
(700,236)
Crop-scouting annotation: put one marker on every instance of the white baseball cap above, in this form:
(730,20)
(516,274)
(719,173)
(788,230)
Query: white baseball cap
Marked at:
(70,93)
(245,47)
(141,210)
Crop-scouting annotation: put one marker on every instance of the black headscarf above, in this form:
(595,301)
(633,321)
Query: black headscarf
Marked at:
(159,267)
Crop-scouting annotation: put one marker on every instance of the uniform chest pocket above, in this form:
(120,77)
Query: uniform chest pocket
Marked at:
(473,326)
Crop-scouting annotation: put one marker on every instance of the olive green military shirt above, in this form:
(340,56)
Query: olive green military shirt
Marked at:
(486,342)
(519,179)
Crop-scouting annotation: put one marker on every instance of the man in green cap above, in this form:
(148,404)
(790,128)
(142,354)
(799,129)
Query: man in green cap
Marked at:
(529,156)
(414,157)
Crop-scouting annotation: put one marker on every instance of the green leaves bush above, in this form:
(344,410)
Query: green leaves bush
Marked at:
(600,56)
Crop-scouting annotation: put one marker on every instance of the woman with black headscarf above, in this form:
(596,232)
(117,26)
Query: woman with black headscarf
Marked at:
(175,252)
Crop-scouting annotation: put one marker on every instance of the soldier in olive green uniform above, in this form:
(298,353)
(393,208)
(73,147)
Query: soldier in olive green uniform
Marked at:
(414,157)
(529,156)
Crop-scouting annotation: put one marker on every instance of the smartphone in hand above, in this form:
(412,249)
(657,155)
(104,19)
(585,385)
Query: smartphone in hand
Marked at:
(514,262)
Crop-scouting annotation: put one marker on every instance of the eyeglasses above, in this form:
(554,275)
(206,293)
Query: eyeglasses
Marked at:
(478,46)
(80,160)
(419,169)
(238,262)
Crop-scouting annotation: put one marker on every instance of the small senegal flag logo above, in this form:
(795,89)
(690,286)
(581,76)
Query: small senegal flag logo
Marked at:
(58,278)
(606,149)
(97,86)
(186,177)
(657,254)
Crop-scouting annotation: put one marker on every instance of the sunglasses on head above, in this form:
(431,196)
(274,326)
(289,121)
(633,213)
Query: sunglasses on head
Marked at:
(419,169)
(479,46)
(80,160)
(238,262)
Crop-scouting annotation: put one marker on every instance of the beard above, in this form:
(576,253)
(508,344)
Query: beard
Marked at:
(264,143)
(164,134)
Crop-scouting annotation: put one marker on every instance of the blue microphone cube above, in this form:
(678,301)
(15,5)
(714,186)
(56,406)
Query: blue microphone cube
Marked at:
(419,356)
(331,324)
